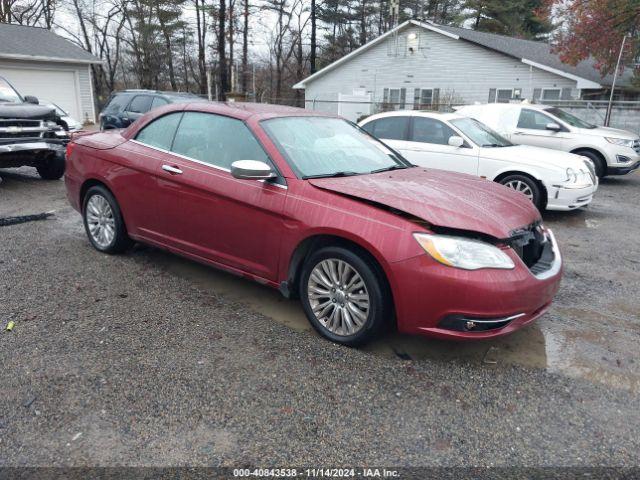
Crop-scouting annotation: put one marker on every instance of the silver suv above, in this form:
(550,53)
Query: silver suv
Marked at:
(613,151)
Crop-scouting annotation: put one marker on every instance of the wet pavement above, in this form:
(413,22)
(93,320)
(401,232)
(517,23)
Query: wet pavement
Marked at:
(591,331)
(590,334)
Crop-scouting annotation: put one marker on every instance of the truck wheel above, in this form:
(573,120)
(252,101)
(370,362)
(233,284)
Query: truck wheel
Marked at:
(52,167)
(525,185)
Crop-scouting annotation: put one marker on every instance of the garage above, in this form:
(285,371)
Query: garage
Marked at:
(57,86)
(38,62)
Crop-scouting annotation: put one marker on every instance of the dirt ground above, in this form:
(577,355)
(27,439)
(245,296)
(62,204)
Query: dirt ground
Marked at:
(155,360)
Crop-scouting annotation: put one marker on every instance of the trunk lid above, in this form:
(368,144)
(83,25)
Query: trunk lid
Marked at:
(99,140)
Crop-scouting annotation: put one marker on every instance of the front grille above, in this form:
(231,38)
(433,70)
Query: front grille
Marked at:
(533,247)
(19,128)
(20,123)
(636,146)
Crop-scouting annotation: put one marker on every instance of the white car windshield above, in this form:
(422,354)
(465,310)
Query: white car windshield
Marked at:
(329,147)
(480,134)
(7,93)
(568,118)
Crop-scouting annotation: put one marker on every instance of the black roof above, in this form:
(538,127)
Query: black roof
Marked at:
(22,42)
(539,52)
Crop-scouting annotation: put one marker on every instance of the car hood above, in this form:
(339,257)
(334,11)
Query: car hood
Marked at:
(609,132)
(535,156)
(443,199)
(27,111)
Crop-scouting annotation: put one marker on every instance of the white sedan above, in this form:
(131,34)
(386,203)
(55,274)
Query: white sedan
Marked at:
(551,179)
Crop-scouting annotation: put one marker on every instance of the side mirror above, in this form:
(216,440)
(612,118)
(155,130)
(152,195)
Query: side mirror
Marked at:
(554,127)
(456,141)
(251,170)
(31,99)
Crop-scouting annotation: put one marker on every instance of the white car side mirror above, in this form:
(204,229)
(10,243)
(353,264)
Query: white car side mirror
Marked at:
(456,141)
(554,127)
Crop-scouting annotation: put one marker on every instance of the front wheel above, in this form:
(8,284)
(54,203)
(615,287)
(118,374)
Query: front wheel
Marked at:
(599,163)
(526,186)
(51,167)
(344,296)
(103,221)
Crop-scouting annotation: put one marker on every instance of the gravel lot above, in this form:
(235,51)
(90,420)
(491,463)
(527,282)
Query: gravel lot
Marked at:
(148,359)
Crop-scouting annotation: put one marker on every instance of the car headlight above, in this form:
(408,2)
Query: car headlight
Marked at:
(463,253)
(50,124)
(572,176)
(620,141)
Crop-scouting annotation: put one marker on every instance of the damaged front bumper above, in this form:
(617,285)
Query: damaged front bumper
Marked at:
(29,152)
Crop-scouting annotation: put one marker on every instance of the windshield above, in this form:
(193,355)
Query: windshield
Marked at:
(7,93)
(568,118)
(480,134)
(325,147)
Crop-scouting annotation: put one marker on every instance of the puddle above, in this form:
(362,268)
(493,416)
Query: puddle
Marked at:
(557,342)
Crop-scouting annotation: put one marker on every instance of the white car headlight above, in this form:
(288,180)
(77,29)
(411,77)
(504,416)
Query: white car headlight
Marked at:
(463,253)
(572,176)
(620,141)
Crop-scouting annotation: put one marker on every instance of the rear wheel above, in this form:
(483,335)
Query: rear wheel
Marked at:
(344,296)
(103,221)
(51,167)
(526,186)
(599,162)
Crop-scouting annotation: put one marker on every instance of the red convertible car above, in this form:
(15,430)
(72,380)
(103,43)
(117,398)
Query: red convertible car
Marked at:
(316,207)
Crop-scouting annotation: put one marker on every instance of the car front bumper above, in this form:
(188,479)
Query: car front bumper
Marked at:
(428,295)
(623,170)
(621,160)
(562,198)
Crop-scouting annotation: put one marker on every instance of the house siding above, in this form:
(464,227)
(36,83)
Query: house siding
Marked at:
(462,71)
(84,101)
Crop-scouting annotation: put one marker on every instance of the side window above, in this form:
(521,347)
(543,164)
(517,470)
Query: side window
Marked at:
(117,103)
(369,127)
(533,120)
(430,130)
(140,104)
(158,102)
(216,140)
(160,132)
(391,128)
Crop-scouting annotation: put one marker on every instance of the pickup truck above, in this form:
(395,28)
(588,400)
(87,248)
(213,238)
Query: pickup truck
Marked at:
(30,134)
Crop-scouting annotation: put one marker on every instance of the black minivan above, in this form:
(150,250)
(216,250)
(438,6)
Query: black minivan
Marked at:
(125,107)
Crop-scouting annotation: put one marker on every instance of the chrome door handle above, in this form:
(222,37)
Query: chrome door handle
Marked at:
(170,169)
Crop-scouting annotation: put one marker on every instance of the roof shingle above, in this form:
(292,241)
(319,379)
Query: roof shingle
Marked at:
(17,41)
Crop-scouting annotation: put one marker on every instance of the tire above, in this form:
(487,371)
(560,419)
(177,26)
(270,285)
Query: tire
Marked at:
(51,167)
(103,221)
(356,321)
(526,185)
(598,161)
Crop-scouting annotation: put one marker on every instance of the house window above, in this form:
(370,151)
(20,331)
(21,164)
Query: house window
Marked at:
(394,98)
(551,94)
(426,98)
(504,95)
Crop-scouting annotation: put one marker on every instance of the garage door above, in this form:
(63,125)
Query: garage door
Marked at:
(57,86)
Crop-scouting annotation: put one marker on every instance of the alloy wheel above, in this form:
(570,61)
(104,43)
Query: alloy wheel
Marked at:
(100,221)
(338,297)
(520,186)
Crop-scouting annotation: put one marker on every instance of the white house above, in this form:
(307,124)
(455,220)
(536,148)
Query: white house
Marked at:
(423,65)
(38,62)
